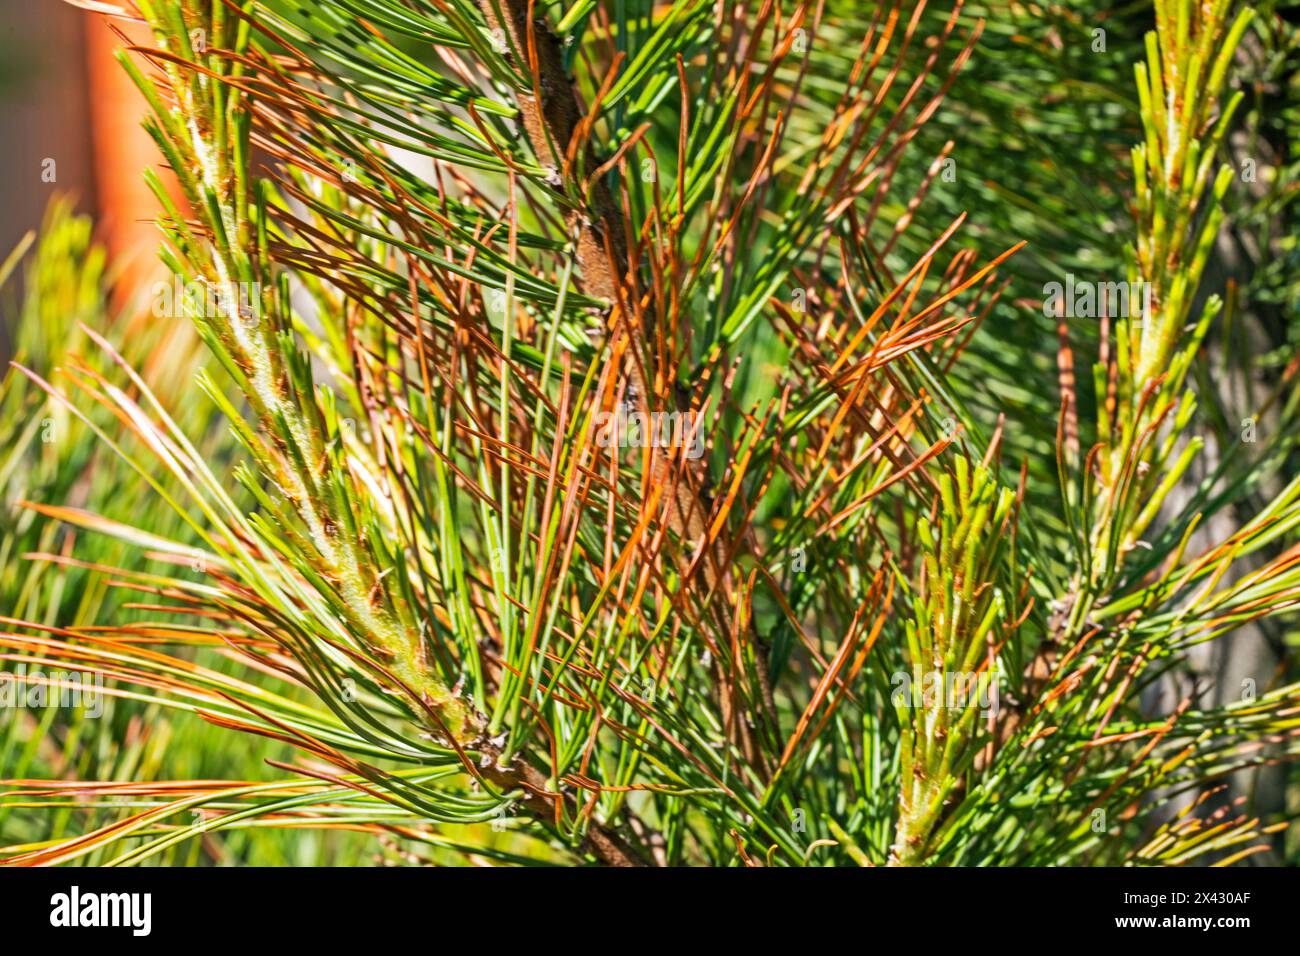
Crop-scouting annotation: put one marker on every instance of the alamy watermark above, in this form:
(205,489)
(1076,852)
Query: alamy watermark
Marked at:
(73,909)
(954,690)
(35,689)
(1078,298)
(234,300)
(627,428)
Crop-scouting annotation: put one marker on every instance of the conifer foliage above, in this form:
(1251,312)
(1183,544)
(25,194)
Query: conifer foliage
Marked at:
(638,433)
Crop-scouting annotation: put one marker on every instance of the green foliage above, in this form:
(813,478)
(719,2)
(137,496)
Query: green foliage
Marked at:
(440,246)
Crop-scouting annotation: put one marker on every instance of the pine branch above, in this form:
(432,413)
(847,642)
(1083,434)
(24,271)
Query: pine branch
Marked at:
(551,117)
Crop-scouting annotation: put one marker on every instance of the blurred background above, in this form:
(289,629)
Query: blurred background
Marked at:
(70,122)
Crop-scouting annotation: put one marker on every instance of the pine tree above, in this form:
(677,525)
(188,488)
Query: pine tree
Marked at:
(618,446)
